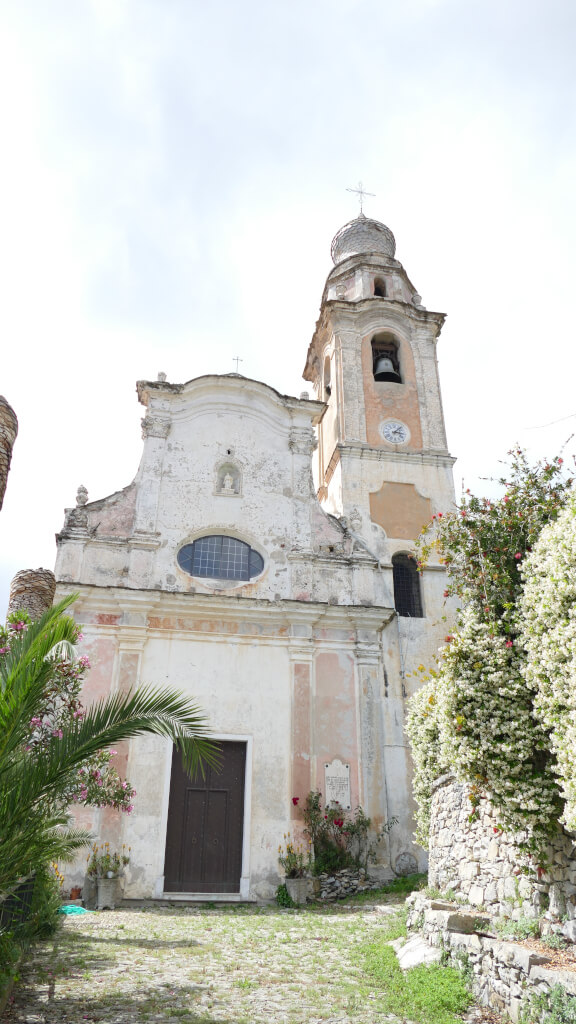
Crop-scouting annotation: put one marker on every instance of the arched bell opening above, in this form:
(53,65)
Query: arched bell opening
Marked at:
(385,362)
(379,287)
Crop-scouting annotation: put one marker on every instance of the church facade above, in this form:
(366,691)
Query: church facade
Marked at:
(262,562)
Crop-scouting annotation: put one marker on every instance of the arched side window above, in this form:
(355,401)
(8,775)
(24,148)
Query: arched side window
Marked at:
(380,287)
(327,378)
(407,596)
(385,361)
(220,558)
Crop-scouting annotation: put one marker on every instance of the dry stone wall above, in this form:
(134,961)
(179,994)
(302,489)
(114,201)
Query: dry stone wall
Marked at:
(503,974)
(343,883)
(490,868)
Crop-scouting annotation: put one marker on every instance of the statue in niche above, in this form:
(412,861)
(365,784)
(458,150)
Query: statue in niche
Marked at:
(228,480)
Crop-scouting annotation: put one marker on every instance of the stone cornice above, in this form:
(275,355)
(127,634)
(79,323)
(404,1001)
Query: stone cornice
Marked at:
(124,600)
(362,450)
(211,389)
(359,559)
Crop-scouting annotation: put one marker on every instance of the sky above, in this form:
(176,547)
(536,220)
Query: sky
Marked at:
(173,172)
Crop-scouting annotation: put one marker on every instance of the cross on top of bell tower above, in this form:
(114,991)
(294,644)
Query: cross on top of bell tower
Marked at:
(361,192)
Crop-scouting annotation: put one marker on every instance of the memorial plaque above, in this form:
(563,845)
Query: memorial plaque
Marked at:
(337,784)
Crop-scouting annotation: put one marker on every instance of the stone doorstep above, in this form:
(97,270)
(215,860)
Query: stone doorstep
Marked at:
(187,899)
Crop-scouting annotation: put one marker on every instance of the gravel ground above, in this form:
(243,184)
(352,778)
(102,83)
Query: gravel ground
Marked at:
(241,964)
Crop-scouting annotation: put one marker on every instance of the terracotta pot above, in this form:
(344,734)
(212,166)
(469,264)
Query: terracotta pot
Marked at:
(76,893)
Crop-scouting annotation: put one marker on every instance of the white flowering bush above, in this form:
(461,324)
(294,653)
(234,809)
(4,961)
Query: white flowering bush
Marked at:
(548,615)
(494,708)
(489,732)
(423,731)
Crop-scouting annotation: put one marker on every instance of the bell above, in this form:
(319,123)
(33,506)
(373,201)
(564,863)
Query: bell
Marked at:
(384,370)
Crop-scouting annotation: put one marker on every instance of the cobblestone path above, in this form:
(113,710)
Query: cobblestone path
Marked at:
(238,964)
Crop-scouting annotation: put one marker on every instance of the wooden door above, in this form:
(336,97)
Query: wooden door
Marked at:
(205,825)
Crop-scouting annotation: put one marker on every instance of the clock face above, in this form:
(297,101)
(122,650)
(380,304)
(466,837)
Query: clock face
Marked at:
(394,432)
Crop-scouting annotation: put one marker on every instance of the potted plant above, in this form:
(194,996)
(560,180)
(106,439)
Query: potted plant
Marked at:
(106,867)
(296,861)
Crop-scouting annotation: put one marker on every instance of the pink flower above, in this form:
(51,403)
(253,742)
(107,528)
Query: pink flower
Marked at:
(509,643)
(517,555)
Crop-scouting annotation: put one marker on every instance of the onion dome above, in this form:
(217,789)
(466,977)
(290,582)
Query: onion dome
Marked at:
(362,235)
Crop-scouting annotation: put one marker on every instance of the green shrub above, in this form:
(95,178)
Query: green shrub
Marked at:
(46,902)
(39,923)
(10,952)
(283,897)
(553,1007)
(523,928)
(554,941)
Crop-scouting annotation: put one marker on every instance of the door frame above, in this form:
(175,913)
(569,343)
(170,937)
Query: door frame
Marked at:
(229,897)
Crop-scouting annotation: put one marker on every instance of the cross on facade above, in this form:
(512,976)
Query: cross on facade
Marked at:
(361,192)
(236,359)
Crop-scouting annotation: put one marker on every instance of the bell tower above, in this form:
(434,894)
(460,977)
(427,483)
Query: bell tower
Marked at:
(382,458)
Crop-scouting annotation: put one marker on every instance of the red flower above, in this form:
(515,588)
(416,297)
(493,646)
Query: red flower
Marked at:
(446,593)
(517,555)
(509,643)
(295,800)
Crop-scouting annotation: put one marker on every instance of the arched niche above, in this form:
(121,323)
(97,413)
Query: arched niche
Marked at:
(228,479)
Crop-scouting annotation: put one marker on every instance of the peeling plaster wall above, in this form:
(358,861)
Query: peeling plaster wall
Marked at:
(306,662)
(302,686)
